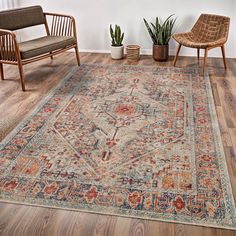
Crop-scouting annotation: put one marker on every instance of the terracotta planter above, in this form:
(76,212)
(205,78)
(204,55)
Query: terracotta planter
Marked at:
(160,52)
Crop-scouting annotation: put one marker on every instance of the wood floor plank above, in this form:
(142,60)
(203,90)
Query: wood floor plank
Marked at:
(20,220)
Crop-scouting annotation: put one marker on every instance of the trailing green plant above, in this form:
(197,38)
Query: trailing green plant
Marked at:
(116,36)
(161,33)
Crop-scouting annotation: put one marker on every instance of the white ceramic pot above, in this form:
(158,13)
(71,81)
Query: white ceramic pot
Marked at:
(117,52)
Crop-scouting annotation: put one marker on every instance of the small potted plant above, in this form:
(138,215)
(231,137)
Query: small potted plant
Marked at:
(161,35)
(117,48)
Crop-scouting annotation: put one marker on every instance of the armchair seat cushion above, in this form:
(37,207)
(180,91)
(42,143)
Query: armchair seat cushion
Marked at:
(46,44)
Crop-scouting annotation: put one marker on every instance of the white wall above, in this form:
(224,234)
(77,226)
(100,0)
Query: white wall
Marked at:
(94,16)
(7,4)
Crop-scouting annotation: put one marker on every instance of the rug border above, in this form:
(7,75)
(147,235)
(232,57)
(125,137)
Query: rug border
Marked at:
(220,148)
(117,215)
(37,107)
(215,126)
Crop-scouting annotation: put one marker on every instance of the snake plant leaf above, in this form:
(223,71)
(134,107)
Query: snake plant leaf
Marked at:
(157,23)
(116,36)
(161,33)
(151,33)
(112,36)
(121,39)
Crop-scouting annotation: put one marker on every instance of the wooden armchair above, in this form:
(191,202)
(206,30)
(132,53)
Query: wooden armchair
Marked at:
(60,36)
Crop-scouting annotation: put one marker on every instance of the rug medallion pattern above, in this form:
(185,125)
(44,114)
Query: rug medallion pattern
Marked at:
(124,140)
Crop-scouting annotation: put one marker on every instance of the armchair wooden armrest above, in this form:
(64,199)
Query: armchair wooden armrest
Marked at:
(60,25)
(9,49)
(10,53)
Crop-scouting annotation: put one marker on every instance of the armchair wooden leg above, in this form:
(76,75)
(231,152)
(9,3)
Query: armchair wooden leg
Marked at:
(77,55)
(21,72)
(205,61)
(51,56)
(1,71)
(177,54)
(223,54)
(198,54)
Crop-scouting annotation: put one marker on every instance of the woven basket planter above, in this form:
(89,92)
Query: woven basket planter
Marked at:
(133,52)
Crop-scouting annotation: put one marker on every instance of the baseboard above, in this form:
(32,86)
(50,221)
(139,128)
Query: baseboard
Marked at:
(94,51)
(142,52)
(149,52)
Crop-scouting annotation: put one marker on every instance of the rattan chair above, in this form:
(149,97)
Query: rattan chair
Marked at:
(210,31)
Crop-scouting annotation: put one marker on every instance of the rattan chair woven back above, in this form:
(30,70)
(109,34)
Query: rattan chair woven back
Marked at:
(210,31)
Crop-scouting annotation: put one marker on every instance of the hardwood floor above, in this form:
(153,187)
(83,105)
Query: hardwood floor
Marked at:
(20,220)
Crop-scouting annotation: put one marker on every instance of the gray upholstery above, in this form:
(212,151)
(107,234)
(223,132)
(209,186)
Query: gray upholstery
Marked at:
(21,18)
(44,45)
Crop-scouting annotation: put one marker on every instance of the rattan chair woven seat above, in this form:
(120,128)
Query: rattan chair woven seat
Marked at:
(210,31)
(193,41)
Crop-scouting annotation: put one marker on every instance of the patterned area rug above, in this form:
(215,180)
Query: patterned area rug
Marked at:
(133,141)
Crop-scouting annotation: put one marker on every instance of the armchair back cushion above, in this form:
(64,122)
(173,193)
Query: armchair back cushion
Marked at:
(21,18)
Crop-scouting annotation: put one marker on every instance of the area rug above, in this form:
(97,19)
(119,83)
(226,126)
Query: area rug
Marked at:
(132,141)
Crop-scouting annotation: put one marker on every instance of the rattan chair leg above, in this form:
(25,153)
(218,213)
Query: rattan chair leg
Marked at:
(223,54)
(77,55)
(205,61)
(1,71)
(177,54)
(21,72)
(198,54)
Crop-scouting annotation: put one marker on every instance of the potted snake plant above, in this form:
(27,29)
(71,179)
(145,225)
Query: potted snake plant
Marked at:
(160,34)
(117,48)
